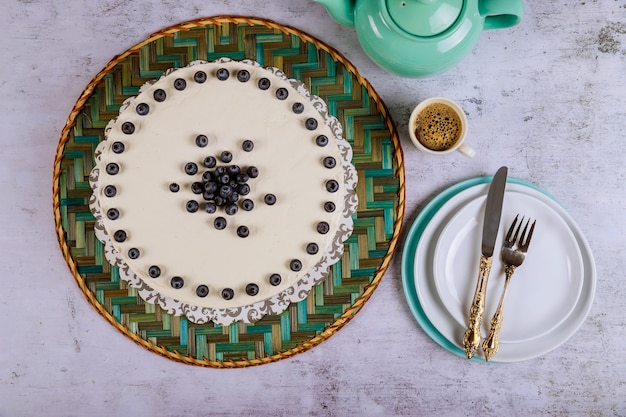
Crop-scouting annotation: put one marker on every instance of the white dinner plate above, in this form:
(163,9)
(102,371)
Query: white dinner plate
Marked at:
(442,316)
(544,289)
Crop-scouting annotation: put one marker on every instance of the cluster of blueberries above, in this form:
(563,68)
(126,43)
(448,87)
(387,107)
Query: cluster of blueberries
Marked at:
(223,187)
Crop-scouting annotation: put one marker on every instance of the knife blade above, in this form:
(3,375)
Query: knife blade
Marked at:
(491,224)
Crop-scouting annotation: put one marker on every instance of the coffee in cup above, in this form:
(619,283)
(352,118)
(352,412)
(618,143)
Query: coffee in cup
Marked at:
(438,126)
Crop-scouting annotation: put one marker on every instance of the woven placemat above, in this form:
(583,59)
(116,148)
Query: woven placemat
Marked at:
(377,157)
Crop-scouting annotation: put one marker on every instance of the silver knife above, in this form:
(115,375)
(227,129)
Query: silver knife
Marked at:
(491,224)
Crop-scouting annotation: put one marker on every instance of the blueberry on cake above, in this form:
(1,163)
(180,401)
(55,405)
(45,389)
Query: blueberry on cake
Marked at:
(223,191)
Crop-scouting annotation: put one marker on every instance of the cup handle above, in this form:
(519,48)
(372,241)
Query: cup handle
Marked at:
(500,14)
(466,150)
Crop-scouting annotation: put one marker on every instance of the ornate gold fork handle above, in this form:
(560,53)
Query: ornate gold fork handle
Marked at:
(490,345)
(471,339)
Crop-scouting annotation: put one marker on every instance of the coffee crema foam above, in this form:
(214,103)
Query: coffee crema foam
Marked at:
(438,127)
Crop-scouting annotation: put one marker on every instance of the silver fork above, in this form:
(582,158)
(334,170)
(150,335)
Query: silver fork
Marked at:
(512,258)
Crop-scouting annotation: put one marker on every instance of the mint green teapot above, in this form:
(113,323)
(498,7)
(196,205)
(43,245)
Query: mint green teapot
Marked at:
(418,38)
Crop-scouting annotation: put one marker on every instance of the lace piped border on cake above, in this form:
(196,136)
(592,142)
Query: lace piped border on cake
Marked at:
(277,303)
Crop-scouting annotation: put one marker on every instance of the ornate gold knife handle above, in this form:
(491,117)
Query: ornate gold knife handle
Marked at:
(471,339)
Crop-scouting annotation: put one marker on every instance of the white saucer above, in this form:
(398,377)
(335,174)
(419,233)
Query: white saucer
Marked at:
(543,291)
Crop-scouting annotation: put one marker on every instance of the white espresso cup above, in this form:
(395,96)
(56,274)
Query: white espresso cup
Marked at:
(438,126)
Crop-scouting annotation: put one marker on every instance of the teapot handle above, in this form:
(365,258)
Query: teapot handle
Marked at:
(500,14)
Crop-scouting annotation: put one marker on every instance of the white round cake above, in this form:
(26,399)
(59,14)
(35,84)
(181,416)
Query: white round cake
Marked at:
(223,191)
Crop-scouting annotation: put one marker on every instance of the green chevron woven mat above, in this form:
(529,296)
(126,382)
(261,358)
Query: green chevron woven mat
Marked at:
(377,157)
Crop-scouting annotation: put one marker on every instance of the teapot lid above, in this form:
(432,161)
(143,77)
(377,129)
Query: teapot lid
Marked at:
(424,17)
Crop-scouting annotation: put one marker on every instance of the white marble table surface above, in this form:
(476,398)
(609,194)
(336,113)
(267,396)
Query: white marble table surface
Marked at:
(545,98)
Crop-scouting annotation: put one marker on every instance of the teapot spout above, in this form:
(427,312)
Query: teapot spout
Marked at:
(340,10)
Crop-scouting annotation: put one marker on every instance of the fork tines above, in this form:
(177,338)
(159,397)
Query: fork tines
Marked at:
(524,240)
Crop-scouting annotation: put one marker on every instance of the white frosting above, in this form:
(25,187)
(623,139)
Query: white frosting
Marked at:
(187,245)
